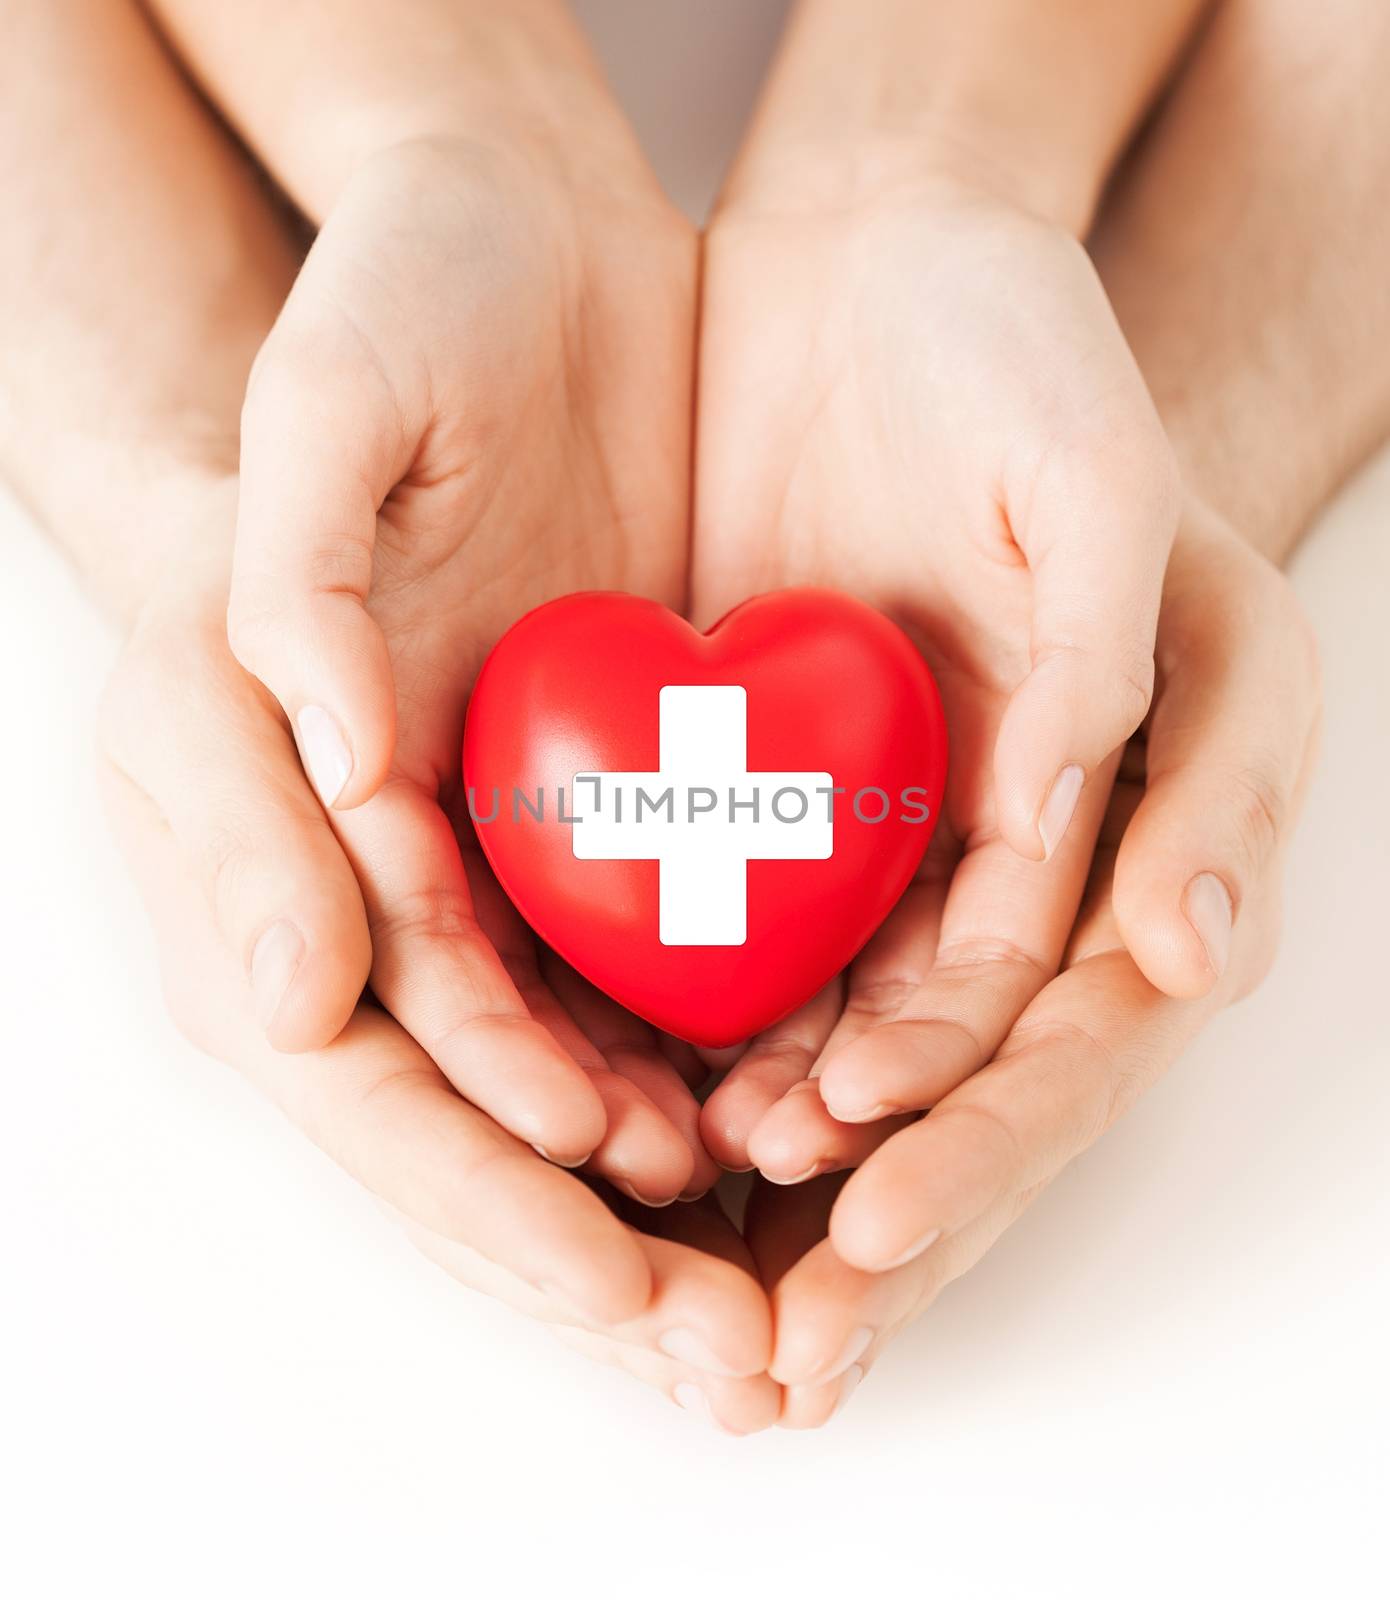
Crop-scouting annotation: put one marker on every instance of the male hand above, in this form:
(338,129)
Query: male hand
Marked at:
(218,824)
(1215,785)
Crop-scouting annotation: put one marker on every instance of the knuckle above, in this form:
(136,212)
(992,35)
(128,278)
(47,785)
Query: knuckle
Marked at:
(879,997)
(425,914)
(1092,1085)
(1115,676)
(998,1133)
(1133,688)
(774,1049)
(381,1090)
(970,959)
(1256,795)
(343,567)
(228,861)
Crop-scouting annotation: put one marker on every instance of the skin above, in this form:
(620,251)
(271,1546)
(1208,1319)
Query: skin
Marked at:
(968,393)
(1237,684)
(1235,352)
(102,376)
(474,399)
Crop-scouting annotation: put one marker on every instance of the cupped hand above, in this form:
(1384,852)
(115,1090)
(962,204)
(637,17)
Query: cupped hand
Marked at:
(476,398)
(1213,789)
(924,398)
(222,832)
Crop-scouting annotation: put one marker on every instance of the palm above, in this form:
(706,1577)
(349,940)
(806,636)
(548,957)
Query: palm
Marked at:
(897,449)
(529,362)
(514,368)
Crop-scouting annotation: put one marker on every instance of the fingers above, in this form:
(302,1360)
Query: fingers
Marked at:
(829,1317)
(704,1312)
(737,1406)
(197,736)
(642,1153)
(704,1338)
(931,999)
(439,975)
(667,1160)
(321,447)
(834,1321)
(1083,1050)
(782,1223)
(1228,750)
(374,1101)
(1095,522)
(774,1063)
(953,1182)
(797,1138)
(1002,930)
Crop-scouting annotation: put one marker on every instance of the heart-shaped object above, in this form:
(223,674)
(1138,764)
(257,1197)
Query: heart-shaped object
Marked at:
(707,826)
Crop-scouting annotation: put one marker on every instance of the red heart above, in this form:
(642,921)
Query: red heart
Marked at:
(829,686)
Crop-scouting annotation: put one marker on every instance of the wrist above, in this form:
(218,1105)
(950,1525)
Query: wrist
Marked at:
(941,161)
(1263,485)
(513,76)
(162,553)
(1031,102)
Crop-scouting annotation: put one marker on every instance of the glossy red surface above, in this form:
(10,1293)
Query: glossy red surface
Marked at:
(832,685)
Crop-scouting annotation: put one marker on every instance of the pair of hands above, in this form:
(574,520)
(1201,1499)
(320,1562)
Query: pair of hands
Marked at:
(478,397)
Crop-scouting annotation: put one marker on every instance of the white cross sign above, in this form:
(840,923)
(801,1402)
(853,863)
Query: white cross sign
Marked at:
(703,816)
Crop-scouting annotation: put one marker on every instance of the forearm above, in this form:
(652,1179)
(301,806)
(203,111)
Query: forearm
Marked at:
(1247,253)
(140,267)
(319,86)
(1032,98)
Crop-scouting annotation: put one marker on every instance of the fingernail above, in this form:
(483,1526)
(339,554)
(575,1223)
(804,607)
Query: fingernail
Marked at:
(642,1199)
(854,1347)
(812,1171)
(686,1346)
(848,1384)
(862,1113)
(1209,910)
(924,1243)
(1058,807)
(692,1398)
(325,751)
(274,962)
(545,1155)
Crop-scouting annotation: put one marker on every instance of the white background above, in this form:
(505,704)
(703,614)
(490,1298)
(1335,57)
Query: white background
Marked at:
(224,1374)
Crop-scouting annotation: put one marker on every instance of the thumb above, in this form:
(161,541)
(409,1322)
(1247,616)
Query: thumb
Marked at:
(1098,527)
(1228,754)
(315,467)
(193,747)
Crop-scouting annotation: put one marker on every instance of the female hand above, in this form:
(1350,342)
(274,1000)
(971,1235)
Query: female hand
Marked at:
(218,824)
(476,398)
(1213,788)
(921,395)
